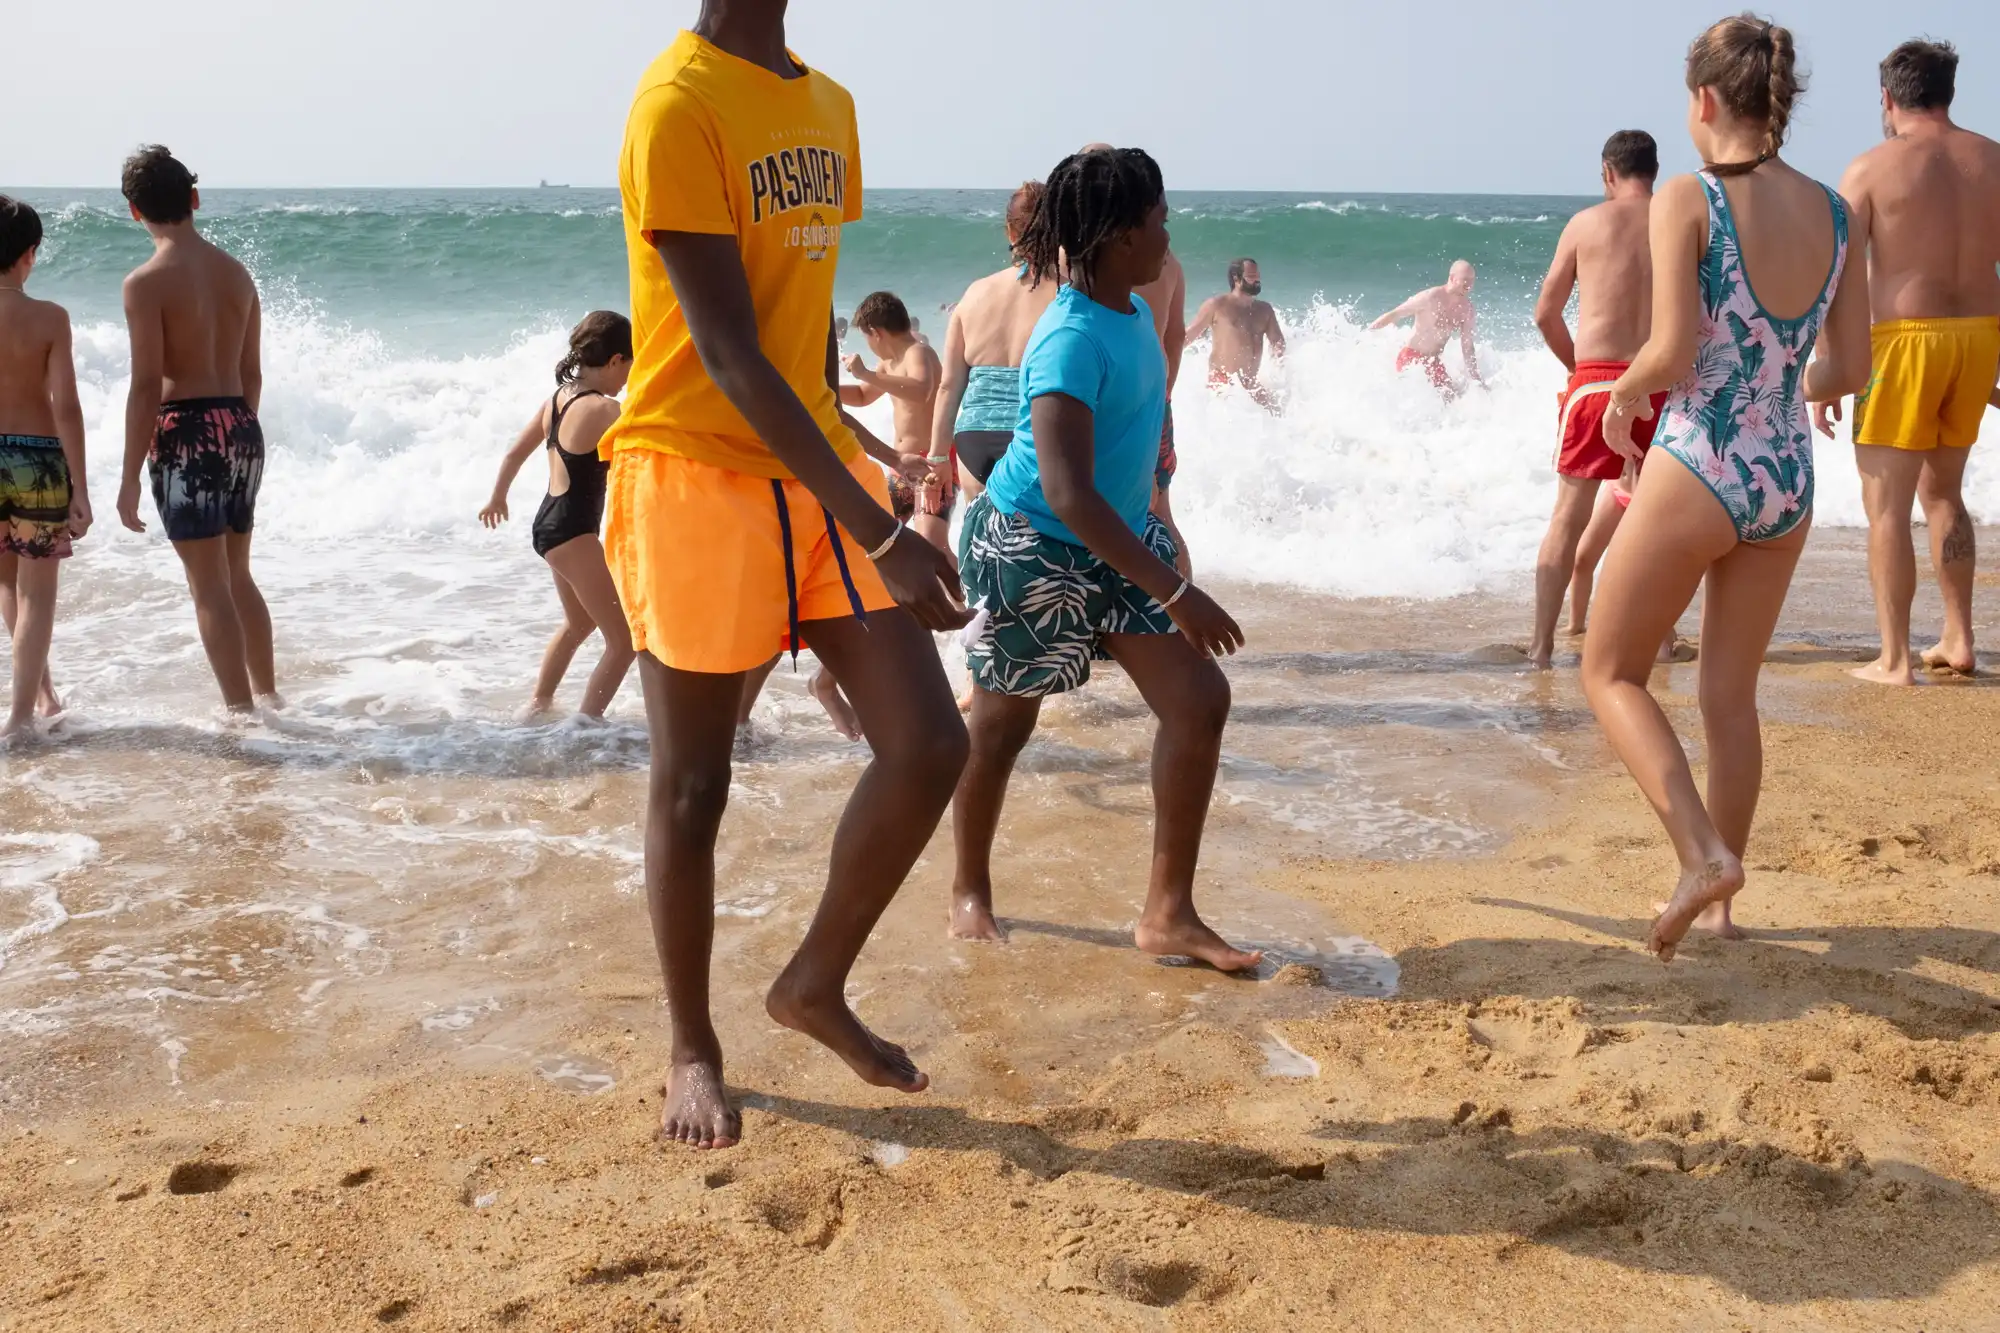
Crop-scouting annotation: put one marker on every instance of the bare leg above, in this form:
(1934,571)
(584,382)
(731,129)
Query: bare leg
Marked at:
(689,716)
(1556,562)
(259,652)
(212,583)
(1746,591)
(47,702)
(934,529)
(1888,488)
(1190,696)
(899,692)
(579,562)
(32,625)
(753,689)
(1000,727)
(1596,541)
(825,688)
(1674,531)
(1954,546)
(576,627)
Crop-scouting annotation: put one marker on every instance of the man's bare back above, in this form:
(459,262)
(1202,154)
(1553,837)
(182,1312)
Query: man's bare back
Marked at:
(1931,199)
(204,305)
(1611,263)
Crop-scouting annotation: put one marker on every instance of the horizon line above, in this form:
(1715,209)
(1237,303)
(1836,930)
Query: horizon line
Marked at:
(536,187)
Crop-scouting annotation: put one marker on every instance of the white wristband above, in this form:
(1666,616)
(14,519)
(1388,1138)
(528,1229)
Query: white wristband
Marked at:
(1179,593)
(887,542)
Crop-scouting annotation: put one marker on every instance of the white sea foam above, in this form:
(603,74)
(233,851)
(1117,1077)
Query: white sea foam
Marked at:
(30,866)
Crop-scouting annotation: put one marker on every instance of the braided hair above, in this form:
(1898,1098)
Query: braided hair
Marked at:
(1089,200)
(1752,64)
(602,335)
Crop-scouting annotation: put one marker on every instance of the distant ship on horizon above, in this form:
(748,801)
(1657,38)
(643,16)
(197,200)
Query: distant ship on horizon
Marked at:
(554,185)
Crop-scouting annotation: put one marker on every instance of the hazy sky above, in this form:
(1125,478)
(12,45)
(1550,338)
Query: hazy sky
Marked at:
(1329,95)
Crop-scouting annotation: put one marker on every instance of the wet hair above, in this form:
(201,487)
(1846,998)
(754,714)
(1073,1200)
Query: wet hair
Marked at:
(1092,198)
(1921,75)
(1022,207)
(882,312)
(1236,267)
(1632,155)
(155,183)
(20,231)
(1753,65)
(601,335)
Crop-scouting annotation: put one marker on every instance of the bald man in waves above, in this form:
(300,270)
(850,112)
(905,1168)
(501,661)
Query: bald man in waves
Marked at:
(1440,314)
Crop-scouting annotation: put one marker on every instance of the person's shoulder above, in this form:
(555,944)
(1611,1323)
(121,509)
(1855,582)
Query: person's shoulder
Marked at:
(683,77)
(1681,191)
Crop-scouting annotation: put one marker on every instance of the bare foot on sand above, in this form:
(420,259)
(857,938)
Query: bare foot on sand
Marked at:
(972,917)
(1879,673)
(1573,630)
(1714,919)
(1711,884)
(536,711)
(46,702)
(840,712)
(1188,936)
(698,1112)
(1937,658)
(1674,650)
(833,1025)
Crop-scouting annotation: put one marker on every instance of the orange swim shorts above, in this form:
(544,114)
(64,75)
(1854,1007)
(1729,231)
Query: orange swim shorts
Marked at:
(698,555)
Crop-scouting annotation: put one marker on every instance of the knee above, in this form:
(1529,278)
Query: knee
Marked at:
(694,796)
(1202,708)
(1727,708)
(938,754)
(618,639)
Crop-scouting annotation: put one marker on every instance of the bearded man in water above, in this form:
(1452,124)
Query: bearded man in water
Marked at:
(1242,324)
(1439,313)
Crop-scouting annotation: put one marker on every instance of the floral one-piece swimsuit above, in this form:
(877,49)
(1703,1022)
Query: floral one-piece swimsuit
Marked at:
(1739,420)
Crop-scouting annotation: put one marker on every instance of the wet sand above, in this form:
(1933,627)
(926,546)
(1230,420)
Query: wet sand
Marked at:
(319,1034)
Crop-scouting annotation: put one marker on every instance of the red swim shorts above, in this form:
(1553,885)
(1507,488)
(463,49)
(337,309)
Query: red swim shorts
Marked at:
(1580,447)
(1432,363)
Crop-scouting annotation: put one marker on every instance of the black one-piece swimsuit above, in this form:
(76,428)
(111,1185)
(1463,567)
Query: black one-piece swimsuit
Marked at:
(578,511)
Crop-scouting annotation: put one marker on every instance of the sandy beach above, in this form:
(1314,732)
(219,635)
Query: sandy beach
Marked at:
(1461,1096)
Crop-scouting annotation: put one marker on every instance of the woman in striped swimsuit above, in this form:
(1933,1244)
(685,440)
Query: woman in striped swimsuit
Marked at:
(1725,497)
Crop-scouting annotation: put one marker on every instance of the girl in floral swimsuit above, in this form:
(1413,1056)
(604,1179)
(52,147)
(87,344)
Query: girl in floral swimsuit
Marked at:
(1725,496)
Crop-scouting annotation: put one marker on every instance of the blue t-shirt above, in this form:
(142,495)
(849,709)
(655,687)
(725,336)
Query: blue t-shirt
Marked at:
(1113,365)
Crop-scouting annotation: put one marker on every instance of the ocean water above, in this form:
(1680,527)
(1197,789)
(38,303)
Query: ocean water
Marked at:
(395,843)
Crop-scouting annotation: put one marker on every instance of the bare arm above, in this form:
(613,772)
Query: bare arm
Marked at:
(69,423)
(253,352)
(1174,339)
(916,388)
(532,436)
(1202,319)
(1410,309)
(1554,300)
(142,402)
(1677,231)
(871,444)
(1842,359)
(953,376)
(707,274)
(1065,446)
(1860,220)
(1467,345)
(1274,331)
(857,395)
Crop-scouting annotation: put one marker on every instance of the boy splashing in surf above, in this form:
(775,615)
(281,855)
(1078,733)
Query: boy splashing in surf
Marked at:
(744,518)
(1068,563)
(191,420)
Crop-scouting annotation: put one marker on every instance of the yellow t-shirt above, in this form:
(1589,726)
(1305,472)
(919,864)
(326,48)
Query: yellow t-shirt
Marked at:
(723,147)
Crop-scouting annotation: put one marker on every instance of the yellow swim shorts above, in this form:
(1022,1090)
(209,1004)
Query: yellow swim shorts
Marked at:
(1931,383)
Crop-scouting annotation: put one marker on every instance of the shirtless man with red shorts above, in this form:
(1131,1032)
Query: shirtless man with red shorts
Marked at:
(1439,313)
(1603,250)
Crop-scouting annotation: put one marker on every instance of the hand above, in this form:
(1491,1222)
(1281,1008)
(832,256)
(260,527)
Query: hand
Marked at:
(80,517)
(495,512)
(128,506)
(1824,415)
(913,468)
(923,582)
(856,367)
(1206,625)
(1618,419)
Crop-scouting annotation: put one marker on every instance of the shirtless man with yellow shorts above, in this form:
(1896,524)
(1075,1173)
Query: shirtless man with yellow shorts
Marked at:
(1930,199)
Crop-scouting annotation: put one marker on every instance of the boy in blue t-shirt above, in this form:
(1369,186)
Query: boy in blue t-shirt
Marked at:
(1067,563)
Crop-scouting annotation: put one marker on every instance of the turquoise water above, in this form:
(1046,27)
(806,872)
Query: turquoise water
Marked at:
(455,272)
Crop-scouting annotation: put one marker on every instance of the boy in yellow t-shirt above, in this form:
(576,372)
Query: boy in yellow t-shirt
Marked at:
(743,519)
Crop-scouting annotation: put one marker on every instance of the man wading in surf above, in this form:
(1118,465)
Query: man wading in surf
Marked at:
(744,518)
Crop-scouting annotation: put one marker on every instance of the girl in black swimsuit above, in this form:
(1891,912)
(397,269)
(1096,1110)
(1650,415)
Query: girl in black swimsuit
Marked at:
(565,531)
